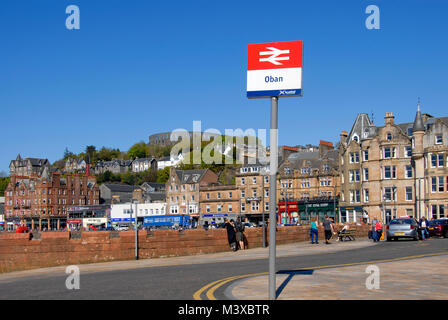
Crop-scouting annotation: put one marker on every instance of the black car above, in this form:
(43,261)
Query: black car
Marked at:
(438,228)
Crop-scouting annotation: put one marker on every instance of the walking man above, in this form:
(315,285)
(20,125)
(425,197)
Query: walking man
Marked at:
(423,224)
(328,228)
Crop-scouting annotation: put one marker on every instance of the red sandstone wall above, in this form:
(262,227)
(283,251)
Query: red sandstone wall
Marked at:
(18,252)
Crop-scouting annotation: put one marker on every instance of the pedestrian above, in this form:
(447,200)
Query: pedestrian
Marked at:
(378,231)
(239,227)
(423,225)
(373,232)
(206,225)
(314,231)
(328,229)
(231,235)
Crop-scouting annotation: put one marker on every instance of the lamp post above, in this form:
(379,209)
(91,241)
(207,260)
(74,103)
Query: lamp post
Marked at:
(136,228)
(394,188)
(263,209)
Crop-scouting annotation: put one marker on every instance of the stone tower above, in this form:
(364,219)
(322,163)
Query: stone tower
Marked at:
(418,159)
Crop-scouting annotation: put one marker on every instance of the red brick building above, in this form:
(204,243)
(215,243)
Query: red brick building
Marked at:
(41,201)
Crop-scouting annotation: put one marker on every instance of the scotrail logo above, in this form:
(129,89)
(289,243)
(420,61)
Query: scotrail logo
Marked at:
(286,92)
(274,55)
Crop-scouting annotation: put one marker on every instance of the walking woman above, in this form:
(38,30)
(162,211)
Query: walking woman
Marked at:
(239,233)
(314,231)
(231,234)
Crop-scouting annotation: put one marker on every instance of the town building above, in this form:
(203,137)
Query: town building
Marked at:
(85,217)
(252,183)
(2,213)
(394,170)
(26,167)
(183,190)
(218,202)
(308,181)
(144,164)
(116,193)
(169,161)
(75,165)
(124,213)
(41,201)
(114,166)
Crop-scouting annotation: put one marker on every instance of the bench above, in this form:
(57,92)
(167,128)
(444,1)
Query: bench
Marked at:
(348,234)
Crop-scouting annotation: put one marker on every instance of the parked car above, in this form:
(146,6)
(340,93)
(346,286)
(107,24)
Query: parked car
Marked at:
(438,228)
(402,228)
(249,225)
(122,228)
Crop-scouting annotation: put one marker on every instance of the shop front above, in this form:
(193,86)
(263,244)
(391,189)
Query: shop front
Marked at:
(288,213)
(12,224)
(352,214)
(74,224)
(2,223)
(89,223)
(311,209)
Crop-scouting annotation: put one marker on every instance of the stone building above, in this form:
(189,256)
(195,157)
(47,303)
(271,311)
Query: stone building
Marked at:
(75,165)
(183,190)
(218,202)
(252,183)
(115,166)
(26,167)
(309,184)
(41,201)
(394,170)
(143,164)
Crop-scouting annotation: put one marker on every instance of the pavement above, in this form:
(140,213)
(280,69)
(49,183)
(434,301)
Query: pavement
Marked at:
(286,250)
(421,278)
(406,270)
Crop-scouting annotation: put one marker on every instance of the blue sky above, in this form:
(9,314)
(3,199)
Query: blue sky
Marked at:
(140,67)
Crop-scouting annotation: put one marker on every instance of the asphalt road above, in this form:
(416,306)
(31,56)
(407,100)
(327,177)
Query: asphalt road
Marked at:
(181,282)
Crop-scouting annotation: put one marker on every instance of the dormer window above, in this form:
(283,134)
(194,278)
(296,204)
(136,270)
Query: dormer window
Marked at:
(356,138)
(439,139)
(389,136)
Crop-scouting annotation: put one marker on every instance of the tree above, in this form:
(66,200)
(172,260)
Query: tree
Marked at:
(91,152)
(4,181)
(138,150)
(67,154)
(163,175)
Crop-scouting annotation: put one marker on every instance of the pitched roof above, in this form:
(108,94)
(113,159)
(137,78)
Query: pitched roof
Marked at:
(120,187)
(190,176)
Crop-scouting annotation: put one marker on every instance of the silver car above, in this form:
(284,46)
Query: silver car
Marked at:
(402,228)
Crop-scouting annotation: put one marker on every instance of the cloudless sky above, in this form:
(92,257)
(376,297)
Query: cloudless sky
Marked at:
(139,67)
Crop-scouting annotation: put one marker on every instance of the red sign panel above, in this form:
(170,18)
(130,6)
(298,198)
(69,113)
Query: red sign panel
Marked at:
(274,55)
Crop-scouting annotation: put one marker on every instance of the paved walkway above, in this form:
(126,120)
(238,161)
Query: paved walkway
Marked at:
(295,249)
(416,279)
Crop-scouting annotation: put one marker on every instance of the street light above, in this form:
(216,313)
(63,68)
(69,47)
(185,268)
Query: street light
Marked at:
(135,226)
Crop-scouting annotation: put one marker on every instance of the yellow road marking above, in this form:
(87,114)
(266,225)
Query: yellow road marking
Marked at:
(212,287)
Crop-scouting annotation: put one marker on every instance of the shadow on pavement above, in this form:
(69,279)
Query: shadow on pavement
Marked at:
(291,273)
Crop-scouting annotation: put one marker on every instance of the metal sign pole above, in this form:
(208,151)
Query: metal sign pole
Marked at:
(272,196)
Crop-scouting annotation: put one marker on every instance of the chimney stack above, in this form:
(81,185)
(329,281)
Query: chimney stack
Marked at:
(389,118)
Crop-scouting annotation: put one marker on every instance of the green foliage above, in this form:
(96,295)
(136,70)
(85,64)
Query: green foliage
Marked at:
(131,178)
(138,150)
(4,181)
(163,175)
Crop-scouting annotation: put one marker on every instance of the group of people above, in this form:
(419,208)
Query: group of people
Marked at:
(235,234)
(328,225)
(377,230)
